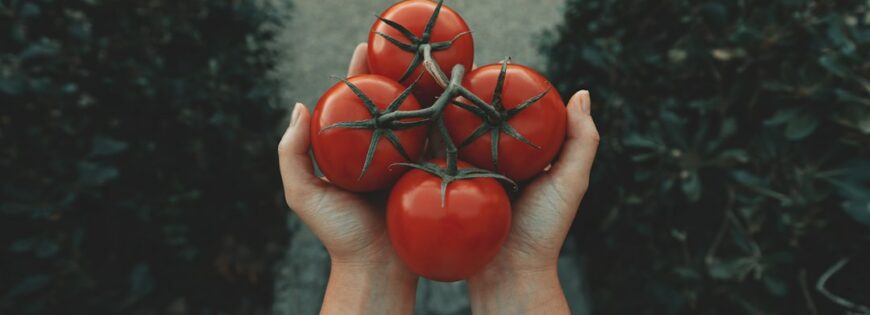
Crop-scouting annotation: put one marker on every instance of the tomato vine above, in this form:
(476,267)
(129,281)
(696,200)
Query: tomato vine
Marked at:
(493,114)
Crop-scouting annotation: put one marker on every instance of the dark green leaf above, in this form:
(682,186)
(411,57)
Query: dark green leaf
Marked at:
(46,248)
(738,155)
(22,245)
(103,146)
(728,128)
(96,174)
(723,271)
(832,64)
(692,186)
(29,9)
(27,286)
(11,86)
(775,286)
(638,141)
(846,96)
(42,48)
(782,116)
(686,273)
(858,209)
(801,126)
(141,281)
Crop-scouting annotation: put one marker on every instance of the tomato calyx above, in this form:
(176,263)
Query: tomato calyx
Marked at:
(379,129)
(495,116)
(448,176)
(421,46)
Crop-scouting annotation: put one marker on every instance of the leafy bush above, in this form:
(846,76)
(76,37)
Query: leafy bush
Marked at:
(734,168)
(137,157)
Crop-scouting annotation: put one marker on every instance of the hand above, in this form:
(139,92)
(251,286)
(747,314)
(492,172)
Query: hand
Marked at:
(522,278)
(366,275)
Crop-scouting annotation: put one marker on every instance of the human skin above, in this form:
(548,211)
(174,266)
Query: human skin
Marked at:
(367,277)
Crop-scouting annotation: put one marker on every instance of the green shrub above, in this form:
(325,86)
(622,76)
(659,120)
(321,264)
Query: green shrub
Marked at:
(734,168)
(137,153)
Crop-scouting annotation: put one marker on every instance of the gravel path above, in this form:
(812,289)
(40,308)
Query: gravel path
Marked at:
(318,43)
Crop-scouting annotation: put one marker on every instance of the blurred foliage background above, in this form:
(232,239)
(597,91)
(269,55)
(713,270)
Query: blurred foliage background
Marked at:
(139,176)
(137,153)
(734,168)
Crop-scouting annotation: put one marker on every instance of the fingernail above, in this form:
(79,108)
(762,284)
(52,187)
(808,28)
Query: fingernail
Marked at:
(585,104)
(296,112)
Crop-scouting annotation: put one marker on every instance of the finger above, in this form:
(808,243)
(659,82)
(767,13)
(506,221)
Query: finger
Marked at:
(575,162)
(473,66)
(297,173)
(359,60)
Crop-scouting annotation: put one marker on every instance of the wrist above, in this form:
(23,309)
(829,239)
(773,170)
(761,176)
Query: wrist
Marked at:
(369,288)
(505,289)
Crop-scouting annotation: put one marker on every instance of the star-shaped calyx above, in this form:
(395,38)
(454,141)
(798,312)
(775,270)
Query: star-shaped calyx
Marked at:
(379,130)
(465,173)
(495,122)
(417,44)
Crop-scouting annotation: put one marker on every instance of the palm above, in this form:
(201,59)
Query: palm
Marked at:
(350,226)
(353,228)
(542,216)
(545,209)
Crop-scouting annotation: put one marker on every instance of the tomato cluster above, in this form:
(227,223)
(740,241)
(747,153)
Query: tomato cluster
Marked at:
(447,218)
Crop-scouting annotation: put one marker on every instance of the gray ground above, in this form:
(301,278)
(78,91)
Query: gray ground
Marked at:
(318,43)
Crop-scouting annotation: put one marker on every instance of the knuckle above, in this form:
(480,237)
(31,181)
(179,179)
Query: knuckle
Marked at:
(300,195)
(583,186)
(289,199)
(292,197)
(283,147)
(594,136)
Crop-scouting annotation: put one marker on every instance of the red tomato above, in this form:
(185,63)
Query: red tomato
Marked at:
(341,152)
(388,59)
(452,242)
(542,123)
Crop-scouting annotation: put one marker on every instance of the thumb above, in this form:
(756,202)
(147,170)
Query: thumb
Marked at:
(572,169)
(297,172)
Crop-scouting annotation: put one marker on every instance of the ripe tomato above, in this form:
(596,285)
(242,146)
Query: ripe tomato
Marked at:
(388,59)
(542,123)
(341,152)
(452,242)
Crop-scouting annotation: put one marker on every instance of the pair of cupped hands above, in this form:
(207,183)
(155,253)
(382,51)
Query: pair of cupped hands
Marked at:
(367,276)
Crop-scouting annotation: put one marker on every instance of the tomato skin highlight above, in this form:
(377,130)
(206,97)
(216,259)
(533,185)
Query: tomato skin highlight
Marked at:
(542,123)
(453,242)
(340,152)
(387,59)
